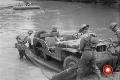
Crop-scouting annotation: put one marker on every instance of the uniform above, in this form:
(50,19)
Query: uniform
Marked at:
(117,33)
(86,65)
(83,30)
(116,29)
(22,40)
(55,33)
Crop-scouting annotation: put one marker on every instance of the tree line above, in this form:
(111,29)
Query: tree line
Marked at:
(106,2)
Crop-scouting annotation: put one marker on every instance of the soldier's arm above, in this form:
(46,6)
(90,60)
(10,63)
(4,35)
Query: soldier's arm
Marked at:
(18,38)
(82,44)
(94,42)
(117,43)
(118,35)
(58,34)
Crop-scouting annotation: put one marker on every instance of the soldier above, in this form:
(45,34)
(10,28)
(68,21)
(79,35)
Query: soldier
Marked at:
(22,40)
(55,30)
(56,34)
(86,65)
(83,29)
(116,29)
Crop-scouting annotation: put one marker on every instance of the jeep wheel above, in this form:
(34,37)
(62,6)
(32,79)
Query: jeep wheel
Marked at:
(70,61)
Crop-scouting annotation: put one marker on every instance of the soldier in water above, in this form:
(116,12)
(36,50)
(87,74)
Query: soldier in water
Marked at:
(22,40)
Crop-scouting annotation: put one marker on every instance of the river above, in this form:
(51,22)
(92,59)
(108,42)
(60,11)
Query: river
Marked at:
(66,15)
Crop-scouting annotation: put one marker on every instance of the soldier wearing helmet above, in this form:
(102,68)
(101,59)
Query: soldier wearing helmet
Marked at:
(24,39)
(55,30)
(82,30)
(116,29)
(55,33)
(86,64)
(30,32)
(114,26)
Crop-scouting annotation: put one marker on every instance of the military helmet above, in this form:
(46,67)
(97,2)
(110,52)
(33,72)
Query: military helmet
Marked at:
(54,29)
(92,34)
(113,25)
(30,31)
(83,27)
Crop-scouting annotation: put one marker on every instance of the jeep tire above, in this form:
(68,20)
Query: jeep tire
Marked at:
(70,61)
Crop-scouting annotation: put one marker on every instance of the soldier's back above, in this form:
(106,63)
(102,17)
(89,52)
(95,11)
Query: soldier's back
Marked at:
(22,37)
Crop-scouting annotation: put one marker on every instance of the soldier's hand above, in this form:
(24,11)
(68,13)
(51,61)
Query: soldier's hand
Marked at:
(80,51)
(68,69)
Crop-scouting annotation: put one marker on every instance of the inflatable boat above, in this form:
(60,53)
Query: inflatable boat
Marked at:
(25,7)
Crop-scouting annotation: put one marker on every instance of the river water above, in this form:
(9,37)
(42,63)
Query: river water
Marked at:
(66,15)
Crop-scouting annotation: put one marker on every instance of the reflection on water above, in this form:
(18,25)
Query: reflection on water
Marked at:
(26,21)
(17,20)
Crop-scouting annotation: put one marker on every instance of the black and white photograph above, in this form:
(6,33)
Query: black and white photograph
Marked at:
(59,39)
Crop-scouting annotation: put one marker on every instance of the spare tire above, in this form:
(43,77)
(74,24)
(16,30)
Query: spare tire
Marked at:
(70,61)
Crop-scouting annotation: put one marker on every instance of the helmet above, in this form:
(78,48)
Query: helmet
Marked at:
(54,29)
(113,25)
(84,26)
(30,32)
(92,34)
